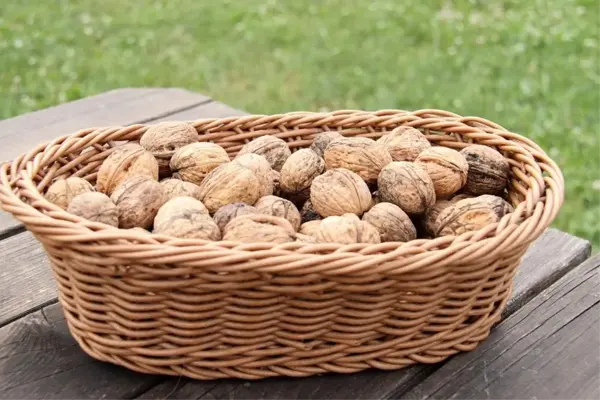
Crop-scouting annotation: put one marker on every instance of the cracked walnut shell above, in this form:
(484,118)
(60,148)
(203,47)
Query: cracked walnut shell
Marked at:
(346,229)
(278,207)
(193,162)
(125,161)
(186,218)
(163,139)
(406,185)
(488,170)
(471,214)
(63,191)
(275,150)
(404,143)
(447,169)
(393,224)
(259,228)
(229,183)
(95,206)
(363,156)
(339,191)
(138,199)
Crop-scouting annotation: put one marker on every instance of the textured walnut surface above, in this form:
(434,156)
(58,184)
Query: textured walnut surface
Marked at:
(278,207)
(261,168)
(363,156)
(186,218)
(193,162)
(63,191)
(177,188)
(488,170)
(471,214)
(406,185)
(230,211)
(138,199)
(322,140)
(229,183)
(95,206)
(259,228)
(447,168)
(393,224)
(346,229)
(339,191)
(125,161)
(163,139)
(275,150)
(299,171)
(404,143)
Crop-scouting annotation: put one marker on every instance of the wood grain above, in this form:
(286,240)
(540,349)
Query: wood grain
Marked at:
(549,349)
(552,255)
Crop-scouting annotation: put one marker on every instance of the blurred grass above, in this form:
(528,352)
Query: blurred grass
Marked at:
(532,66)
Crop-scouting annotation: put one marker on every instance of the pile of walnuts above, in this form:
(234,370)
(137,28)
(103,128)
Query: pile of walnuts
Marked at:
(341,189)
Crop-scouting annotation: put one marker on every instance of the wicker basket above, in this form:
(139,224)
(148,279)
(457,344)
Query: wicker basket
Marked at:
(210,310)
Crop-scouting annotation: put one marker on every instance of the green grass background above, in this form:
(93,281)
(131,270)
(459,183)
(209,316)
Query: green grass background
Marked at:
(532,66)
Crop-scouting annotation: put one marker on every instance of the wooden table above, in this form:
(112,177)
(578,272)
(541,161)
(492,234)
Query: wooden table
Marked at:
(547,345)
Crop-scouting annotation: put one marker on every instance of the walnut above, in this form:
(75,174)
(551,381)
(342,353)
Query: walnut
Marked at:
(364,157)
(230,211)
(471,214)
(406,185)
(322,140)
(177,188)
(308,213)
(488,170)
(347,229)
(339,191)
(261,168)
(229,183)
(430,218)
(447,169)
(163,139)
(298,172)
(63,191)
(404,143)
(95,206)
(186,218)
(138,199)
(125,161)
(310,228)
(194,161)
(275,150)
(276,178)
(259,228)
(305,238)
(391,222)
(278,207)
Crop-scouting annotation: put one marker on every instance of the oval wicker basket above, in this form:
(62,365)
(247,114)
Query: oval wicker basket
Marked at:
(210,310)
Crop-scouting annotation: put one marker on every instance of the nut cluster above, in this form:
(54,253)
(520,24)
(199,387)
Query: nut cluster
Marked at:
(343,190)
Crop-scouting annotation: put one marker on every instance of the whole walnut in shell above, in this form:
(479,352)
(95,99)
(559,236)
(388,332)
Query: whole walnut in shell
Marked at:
(125,161)
(305,238)
(229,183)
(310,228)
(163,139)
(95,206)
(63,191)
(298,172)
(138,199)
(406,185)
(393,224)
(471,214)
(364,157)
(404,143)
(339,191)
(275,150)
(308,213)
(347,229)
(177,188)
(447,168)
(430,218)
(259,228)
(193,162)
(230,211)
(186,218)
(278,207)
(488,170)
(322,140)
(261,168)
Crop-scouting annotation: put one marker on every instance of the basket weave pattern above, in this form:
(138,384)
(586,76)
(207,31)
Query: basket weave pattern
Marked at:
(209,310)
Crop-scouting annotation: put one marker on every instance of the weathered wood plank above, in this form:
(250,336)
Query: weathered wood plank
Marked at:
(40,360)
(551,256)
(550,348)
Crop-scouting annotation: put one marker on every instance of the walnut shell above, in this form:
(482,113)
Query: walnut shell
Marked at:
(322,140)
(404,143)
(488,170)
(276,178)
(364,157)
(447,169)
(230,211)
(275,150)
(347,229)
(259,228)
(278,207)
(305,238)
(298,172)
(163,139)
(339,191)
(261,168)
(471,214)
(138,199)
(430,218)
(310,228)
(63,191)
(393,224)
(95,206)
(406,185)
(177,188)
(125,161)
(229,183)
(186,218)
(308,213)
(193,162)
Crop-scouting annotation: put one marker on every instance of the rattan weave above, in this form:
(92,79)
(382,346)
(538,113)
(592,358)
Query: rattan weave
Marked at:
(209,310)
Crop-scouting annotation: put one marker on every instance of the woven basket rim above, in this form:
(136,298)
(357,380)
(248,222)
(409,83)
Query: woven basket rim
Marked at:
(539,206)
